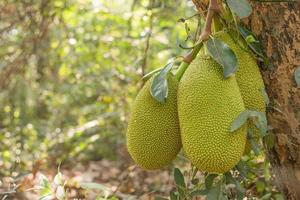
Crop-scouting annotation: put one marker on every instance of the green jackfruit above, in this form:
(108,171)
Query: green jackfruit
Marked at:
(207,106)
(153,134)
(249,80)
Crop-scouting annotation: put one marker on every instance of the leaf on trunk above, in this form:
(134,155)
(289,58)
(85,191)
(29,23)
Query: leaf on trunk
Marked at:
(265,96)
(241,8)
(253,43)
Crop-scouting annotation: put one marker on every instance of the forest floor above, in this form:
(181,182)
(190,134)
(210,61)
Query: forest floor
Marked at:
(121,179)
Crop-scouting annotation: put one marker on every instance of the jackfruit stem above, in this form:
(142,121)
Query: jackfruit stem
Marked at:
(187,60)
(183,66)
(212,9)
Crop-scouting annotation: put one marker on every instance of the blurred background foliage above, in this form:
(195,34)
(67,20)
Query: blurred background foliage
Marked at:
(69,70)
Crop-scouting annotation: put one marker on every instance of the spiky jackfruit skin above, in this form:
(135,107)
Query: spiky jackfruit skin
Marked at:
(153,134)
(249,80)
(207,106)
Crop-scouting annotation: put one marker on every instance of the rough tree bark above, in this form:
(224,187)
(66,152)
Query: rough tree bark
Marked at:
(278,26)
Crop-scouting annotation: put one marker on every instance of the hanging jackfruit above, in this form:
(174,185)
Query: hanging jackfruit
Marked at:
(207,105)
(153,135)
(249,80)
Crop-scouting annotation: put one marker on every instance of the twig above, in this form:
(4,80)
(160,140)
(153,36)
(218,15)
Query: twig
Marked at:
(144,64)
(185,19)
(212,9)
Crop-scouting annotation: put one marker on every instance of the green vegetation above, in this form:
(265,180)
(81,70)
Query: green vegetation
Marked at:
(70,71)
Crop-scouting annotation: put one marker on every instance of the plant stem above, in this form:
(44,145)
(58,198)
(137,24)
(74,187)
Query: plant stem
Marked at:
(212,9)
(187,60)
(183,66)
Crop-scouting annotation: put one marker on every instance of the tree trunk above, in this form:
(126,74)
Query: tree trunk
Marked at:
(277,25)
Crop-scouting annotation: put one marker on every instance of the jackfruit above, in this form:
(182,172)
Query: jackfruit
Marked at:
(153,134)
(207,105)
(249,80)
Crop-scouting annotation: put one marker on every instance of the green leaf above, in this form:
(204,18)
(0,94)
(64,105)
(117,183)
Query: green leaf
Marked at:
(215,193)
(46,197)
(255,146)
(269,140)
(242,168)
(260,186)
(45,192)
(267,173)
(58,179)
(297,76)
(179,180)
(228,178)
(159,86)
(150,74)
(167,68)
(240,191)
(45,186)
(254,46)
(261,122)
(199,192)
(279,197)
(159,89)
(240,7)
(250,38)
(266,196)
(238,186)
(223,55)
(265,96)
(173,196)
(209,180)
(240,120)
(253,143)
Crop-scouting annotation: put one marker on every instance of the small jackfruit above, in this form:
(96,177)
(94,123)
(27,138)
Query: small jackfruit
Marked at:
(207,105)
(153,134)
(249,80)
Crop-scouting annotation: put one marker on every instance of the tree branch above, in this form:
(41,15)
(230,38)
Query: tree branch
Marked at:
(212,9)
(145,59)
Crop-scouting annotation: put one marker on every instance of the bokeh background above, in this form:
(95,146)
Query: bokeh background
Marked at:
(69,70)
